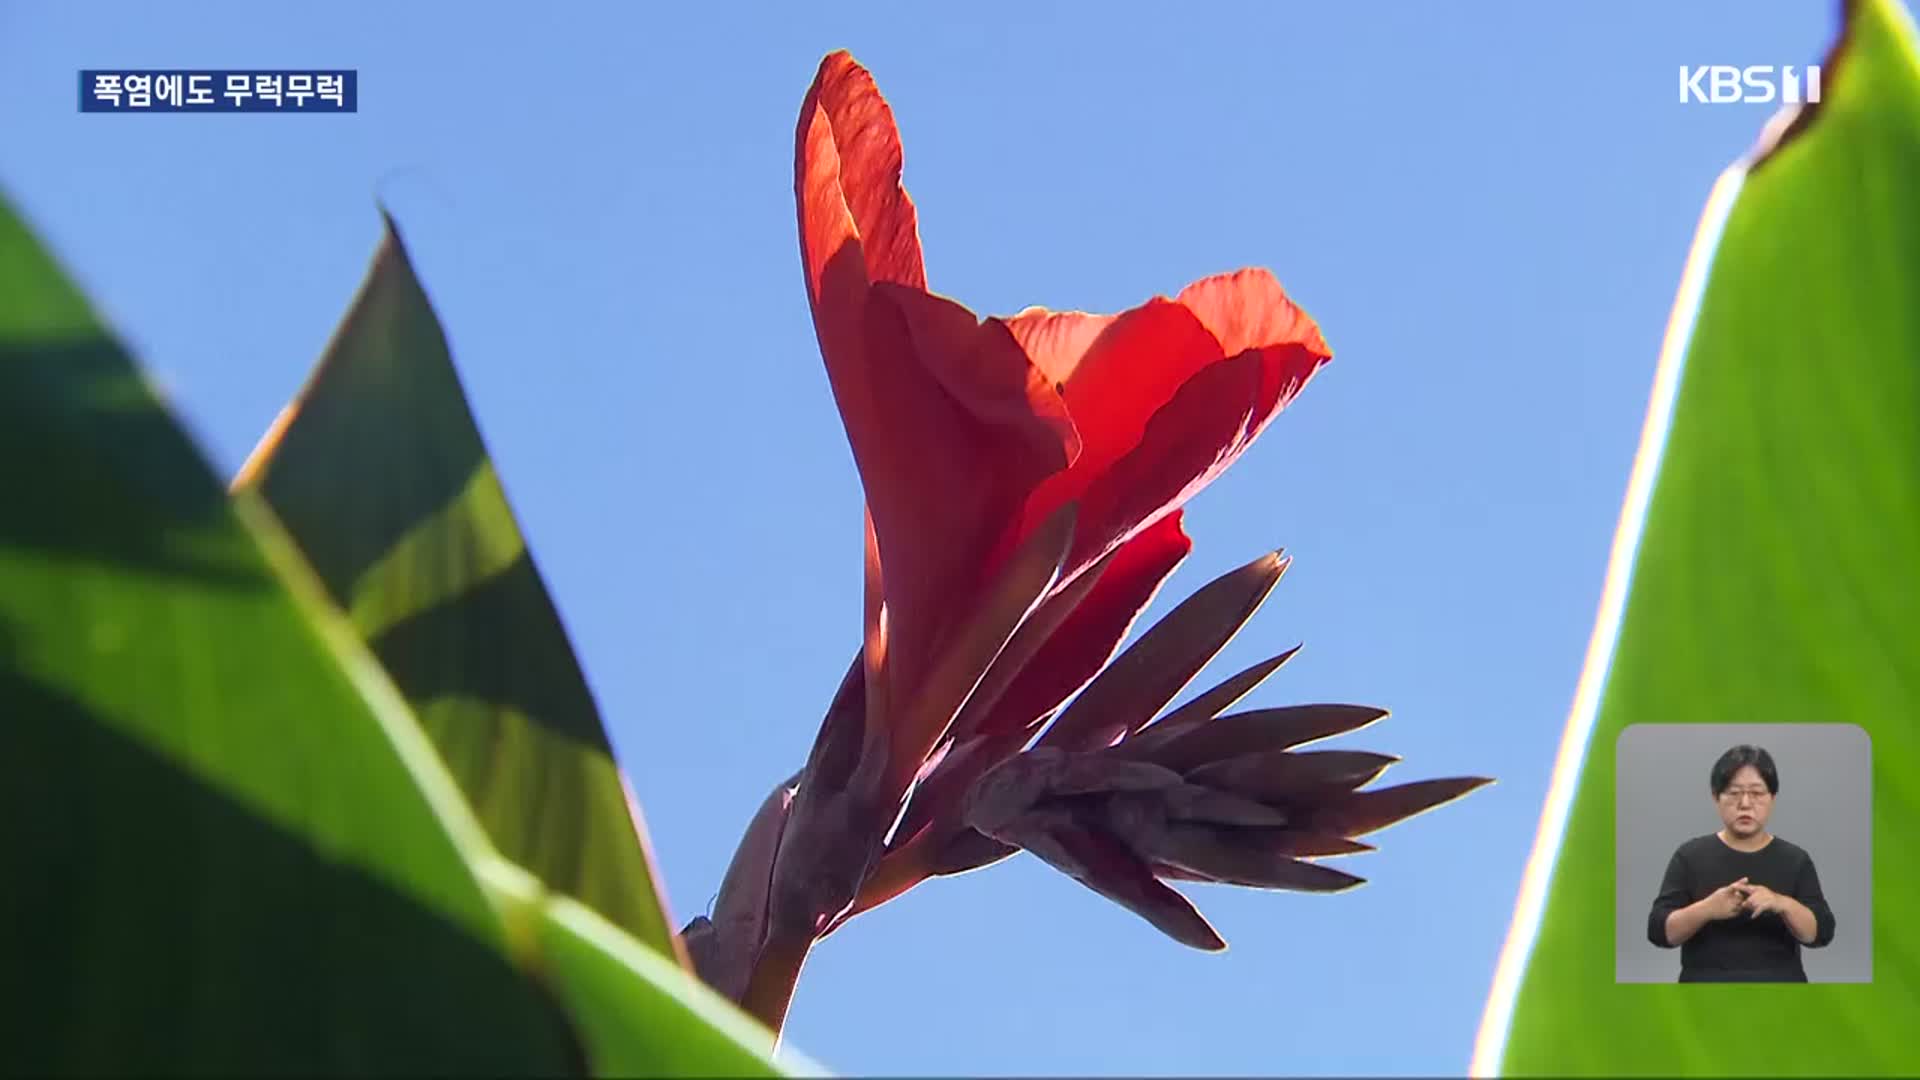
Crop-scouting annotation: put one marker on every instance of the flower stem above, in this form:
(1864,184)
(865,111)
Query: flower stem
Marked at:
(776,972)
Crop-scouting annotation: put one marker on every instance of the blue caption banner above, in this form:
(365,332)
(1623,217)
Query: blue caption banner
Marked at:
(138,90)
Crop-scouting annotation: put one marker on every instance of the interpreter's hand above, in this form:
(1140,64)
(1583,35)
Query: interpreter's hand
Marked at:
(1760,900)
(1727,901)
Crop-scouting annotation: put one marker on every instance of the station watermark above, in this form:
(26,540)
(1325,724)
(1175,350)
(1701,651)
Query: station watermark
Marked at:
(1758,84)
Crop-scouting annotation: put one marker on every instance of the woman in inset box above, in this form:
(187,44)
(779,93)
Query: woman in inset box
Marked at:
(1740,903)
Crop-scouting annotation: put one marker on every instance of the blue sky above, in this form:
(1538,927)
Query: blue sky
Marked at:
(1485,205)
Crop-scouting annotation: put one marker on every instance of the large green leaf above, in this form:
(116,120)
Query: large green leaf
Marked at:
(1767,568)
(379,473)
(227,846)
(599,970)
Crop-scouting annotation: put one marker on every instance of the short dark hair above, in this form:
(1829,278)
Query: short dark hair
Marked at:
(1740,757)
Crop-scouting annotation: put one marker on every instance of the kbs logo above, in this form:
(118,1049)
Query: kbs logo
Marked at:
(1724,84)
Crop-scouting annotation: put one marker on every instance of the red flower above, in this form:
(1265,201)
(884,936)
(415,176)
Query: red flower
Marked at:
(1023,477)
(971,436)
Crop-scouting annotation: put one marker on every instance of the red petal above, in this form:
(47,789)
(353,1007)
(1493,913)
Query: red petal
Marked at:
(1248,310)
(1088,638)
(873,645)
(950,425)
(847,178)
(1192,439)
(1115,374)
(925,709)
(1122,374)
(1035,632)
(1056,340)
(847,152)
(1071,656)
(982,365)
(944,471)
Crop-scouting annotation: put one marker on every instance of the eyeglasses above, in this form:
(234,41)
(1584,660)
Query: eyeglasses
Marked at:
(1737,795)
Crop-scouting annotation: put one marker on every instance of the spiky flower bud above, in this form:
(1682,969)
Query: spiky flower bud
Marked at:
(1226,800)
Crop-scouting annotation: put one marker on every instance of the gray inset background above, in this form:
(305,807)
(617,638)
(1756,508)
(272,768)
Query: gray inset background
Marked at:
(1825,805)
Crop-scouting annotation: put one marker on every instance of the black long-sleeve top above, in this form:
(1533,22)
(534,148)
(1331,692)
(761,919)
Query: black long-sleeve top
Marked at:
(1743,948)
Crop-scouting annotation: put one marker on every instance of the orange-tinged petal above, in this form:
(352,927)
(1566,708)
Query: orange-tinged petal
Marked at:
(873,648)
(847,176)
(1057,340)
(950,425)
(833,257)
(1121,373)
(1248,310)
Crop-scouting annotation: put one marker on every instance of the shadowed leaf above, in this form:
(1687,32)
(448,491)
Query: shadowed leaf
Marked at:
(229,849)
(379,474)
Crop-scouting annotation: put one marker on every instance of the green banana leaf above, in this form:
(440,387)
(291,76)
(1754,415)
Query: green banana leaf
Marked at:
(227,846)
(1766,569)
(378,472)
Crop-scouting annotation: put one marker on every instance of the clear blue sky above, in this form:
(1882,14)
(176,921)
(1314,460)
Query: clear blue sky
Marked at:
(1486,205)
